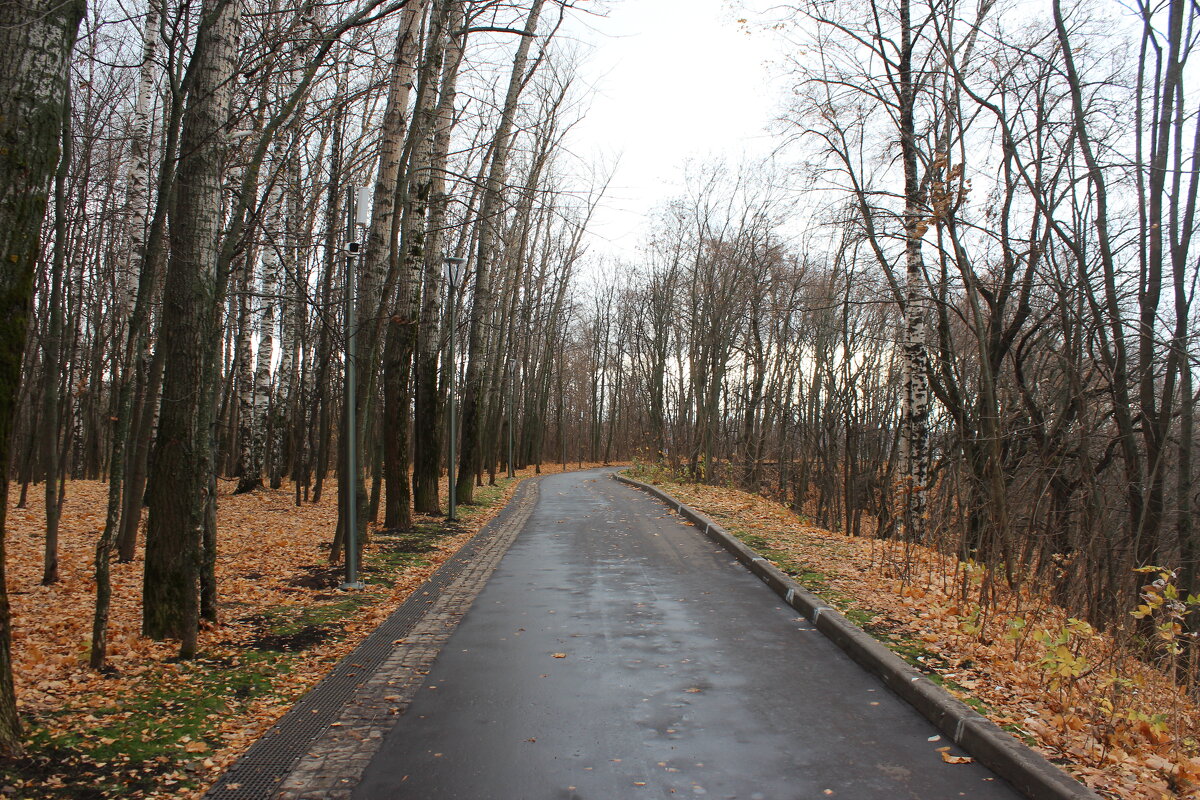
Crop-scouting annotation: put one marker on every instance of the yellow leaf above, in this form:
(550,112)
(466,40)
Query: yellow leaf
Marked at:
(949,759)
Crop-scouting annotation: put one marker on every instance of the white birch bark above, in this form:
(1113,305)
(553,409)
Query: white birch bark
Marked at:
(244,348)
(378,251)
(420,179)
(36,37)
(402,328)
(914,439)
(427,435)
(288,363)
(915,432)
(470,456)
(137,196)
(267,299)
(244,368)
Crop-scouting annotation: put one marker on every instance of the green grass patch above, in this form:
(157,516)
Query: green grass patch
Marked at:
(929,662)
(323,613)
(1019,732)
(486,496)
(862,617)
(399,551)
(961,691)
(912,651)
(119,748)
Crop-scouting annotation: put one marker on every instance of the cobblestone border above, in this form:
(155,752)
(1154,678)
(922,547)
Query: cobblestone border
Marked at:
(336,761)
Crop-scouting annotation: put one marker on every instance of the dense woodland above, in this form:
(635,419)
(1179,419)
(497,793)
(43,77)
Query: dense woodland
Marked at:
(954,308)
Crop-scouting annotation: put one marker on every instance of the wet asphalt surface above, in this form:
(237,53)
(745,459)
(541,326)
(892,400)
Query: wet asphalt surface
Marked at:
(678,675)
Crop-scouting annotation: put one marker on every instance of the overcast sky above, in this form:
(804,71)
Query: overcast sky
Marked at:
(665,81)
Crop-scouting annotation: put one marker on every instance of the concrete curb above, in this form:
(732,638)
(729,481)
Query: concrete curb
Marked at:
(1027,770)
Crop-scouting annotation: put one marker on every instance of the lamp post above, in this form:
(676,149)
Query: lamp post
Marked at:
(454,267)
(358,215)
(512,376)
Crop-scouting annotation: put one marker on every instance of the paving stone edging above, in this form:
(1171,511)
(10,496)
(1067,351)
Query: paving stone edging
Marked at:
(1026,769)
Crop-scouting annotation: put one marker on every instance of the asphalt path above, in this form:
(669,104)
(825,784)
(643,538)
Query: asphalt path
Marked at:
(618,653)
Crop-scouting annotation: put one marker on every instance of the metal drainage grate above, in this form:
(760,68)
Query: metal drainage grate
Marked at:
(260,770)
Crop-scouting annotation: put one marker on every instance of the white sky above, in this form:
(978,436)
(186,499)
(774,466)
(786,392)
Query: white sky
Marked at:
(671,80)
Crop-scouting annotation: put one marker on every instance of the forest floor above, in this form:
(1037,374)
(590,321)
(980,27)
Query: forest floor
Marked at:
(1078,696)
(157,727)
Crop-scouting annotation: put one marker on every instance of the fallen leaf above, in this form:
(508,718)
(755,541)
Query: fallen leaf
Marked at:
(957,759)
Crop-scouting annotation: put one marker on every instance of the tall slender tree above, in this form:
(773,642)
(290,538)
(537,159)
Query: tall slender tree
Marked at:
(471,458)
(36,38)
(180,489)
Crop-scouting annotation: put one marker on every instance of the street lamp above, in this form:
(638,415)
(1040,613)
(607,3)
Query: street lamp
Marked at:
(454,267)
(512,376)
(358,216)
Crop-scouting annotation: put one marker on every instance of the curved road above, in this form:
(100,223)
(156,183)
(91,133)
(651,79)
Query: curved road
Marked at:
(618,653)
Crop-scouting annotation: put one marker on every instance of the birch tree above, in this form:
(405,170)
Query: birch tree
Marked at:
(35,46)
(470,459)
(428,400)
(378,268)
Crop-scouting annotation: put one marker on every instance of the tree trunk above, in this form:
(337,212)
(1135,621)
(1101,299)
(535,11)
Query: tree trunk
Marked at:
(134,498)
(287,377)
(402,329)
(470,459)
(243,370)
(267,298)
(179,492)
(36,37)
(916,359)
(428,408)
(378,262)
(51,361)
(333,221)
